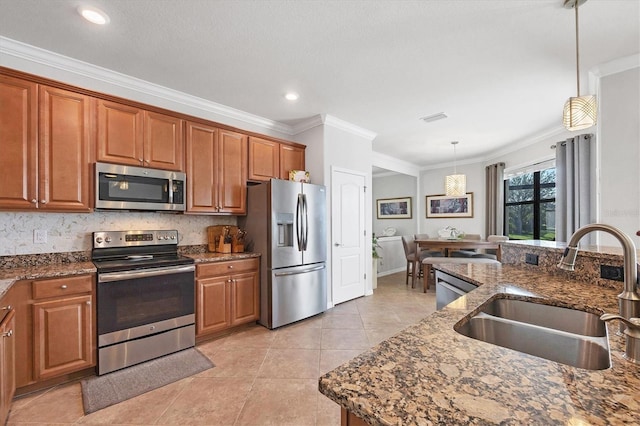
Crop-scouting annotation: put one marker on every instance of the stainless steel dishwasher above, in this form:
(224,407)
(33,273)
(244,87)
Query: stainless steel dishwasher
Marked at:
(449,288)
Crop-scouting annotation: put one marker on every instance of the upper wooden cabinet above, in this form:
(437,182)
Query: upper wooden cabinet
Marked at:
(291,158)
(270,159)
(133,136)
(216,170)
(46,145)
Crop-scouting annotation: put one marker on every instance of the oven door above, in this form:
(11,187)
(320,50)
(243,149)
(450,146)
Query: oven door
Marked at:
(136,303)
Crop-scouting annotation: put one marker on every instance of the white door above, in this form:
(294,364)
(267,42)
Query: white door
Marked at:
(348,254)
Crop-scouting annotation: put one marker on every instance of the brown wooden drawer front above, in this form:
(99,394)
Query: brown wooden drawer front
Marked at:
(227,268)
(61,286)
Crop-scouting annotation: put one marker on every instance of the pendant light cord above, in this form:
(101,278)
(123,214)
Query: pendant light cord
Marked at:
(577,51)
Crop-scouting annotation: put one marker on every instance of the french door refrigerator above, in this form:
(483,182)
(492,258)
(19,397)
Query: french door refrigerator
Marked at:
(286,222)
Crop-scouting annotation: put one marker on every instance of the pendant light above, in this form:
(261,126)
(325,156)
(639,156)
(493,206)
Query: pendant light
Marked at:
(455,184)
(580,111)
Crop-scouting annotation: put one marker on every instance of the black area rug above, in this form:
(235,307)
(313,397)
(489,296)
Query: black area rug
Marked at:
(99,392)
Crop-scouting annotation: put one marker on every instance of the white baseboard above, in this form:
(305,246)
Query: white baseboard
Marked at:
(392,271)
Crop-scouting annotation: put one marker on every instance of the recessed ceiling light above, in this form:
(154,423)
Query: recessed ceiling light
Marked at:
(291,96)
(93,15)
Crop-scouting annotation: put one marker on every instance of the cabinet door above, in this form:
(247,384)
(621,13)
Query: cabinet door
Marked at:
(64,150)
(63,336)
(264,159)
(120,133)
(163,141)
(18,143)
(212,304)
(201,157)
(291,158)
(232,172)
(245,298)
(7,365)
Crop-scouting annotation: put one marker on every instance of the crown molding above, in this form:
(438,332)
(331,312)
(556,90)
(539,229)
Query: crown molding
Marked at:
(35,55)
(332,121)
(307,124)
(617,65)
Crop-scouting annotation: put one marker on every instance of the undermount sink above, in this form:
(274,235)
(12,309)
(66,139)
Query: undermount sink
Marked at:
(564,335)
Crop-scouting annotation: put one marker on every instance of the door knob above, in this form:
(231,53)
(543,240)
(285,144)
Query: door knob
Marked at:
(337,244)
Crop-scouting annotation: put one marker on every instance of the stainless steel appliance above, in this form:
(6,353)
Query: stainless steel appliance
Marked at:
(121,187)
(450,288)
(145,297)
(286,221)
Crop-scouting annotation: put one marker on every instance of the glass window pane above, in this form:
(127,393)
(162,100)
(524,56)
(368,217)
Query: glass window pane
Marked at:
(548,184)
(548,221)
(520,188)
(520,222)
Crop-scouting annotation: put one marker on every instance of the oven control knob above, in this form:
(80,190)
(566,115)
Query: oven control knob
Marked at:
(107,240)
(173,237)
(99,240)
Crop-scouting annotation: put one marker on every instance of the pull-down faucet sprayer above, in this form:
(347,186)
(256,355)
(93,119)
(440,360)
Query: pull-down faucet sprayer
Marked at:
(629,299)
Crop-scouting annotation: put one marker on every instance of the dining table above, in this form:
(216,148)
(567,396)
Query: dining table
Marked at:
(448,245)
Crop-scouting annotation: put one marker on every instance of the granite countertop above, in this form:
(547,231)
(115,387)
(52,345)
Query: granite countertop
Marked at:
(8,276)
(430,374)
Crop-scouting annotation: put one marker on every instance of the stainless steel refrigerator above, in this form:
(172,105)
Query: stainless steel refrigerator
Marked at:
(286,222)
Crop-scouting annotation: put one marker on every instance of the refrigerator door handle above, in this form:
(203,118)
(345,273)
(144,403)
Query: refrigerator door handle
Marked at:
(306,221)
(299,224)
(304,271)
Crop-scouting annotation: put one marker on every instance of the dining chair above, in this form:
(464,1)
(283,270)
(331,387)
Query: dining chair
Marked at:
(467,252)
(409,245)
(427,252)
(495,239)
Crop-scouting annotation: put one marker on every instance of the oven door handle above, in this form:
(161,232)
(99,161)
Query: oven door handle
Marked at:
(144,273)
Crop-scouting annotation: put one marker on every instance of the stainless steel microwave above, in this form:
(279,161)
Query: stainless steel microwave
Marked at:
(121,187)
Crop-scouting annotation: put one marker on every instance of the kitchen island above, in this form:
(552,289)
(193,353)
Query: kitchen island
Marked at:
(430,374)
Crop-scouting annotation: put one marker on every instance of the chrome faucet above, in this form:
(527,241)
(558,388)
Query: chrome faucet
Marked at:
(629,299)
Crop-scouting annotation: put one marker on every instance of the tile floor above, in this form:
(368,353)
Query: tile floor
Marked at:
(261,377)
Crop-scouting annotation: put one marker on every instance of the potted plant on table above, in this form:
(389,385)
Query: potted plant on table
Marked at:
(375,256)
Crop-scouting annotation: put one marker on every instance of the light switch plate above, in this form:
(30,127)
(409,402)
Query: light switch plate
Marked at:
(39,236)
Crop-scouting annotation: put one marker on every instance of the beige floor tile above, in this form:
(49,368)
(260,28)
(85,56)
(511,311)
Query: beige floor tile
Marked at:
(253,337)
(350,307)
(328,413)
(332,358)
(144,409)
(344,339)
(234,362)
(212,346)
(208,401)
(297,338)
(291,364)
(281,402)
(62,404)
(380,320)
(352,321)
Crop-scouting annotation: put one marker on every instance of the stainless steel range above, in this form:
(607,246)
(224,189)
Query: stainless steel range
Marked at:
(145,297)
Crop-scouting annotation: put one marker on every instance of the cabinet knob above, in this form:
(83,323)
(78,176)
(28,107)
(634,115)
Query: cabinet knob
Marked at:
(230,266)
(8,333)
(34,201)
(7,308)
(88,302)
(43,201)
(63,286)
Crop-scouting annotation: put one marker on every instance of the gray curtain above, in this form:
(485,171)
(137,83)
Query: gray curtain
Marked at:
(575,185)
(494,222)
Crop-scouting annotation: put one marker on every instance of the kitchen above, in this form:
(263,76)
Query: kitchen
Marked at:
(70,232)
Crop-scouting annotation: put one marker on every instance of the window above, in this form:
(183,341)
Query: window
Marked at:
(530,205)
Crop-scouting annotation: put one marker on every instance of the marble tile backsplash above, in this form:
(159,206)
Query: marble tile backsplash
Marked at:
(71,232)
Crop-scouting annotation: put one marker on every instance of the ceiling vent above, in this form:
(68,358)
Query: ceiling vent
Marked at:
(434,117)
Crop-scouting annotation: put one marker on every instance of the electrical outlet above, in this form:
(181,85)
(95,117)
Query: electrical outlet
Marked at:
(612,272)
(39,236)
(531,259)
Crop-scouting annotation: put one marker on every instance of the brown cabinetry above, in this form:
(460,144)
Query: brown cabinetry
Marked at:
(7,360)
(46,142)
(62,326)
(227,295)
(216,170)
(270,159)
(133,136)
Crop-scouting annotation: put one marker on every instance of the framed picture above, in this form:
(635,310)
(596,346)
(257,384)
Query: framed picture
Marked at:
(449,206)
(394,208)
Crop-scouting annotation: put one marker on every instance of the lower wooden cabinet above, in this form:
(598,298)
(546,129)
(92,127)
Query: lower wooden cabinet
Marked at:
(7,361)
(62,336)
(227,295)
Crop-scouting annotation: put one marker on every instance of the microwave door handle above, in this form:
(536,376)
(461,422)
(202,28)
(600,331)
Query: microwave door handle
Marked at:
(170,191)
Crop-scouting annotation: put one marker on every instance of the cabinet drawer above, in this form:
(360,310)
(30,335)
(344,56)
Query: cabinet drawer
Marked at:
(57,287)
(227,268)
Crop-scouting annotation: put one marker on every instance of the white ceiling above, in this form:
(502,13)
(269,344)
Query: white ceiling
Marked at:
(500,69)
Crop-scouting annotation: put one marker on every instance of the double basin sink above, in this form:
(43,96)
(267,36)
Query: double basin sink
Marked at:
(565,335)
